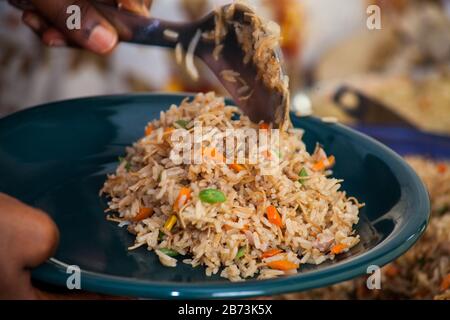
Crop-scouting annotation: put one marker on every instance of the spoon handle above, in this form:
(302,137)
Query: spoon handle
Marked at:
(366,109)
(150,31)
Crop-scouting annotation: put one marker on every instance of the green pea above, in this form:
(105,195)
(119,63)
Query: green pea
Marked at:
(182,123)
(212,196)
(127,164)
(303,174)
(241,252)
(169,252)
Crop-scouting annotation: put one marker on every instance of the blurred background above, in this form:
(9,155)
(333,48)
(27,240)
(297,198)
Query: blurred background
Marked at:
(326,43)
(394,84)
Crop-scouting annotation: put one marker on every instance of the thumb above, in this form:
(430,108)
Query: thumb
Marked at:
(28,238)
(95,33)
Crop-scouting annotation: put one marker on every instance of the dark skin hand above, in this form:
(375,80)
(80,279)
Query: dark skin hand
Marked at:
(48,20)
(28,236)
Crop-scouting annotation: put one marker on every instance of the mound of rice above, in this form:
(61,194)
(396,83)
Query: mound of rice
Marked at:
(262,225)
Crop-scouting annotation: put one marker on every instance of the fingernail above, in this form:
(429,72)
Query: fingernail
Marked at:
(53,38)
(101,39)
(56,42)
(32,21)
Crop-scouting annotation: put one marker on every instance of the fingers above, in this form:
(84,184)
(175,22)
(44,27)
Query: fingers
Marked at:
(49,35)
(54,38)
(95,34)
(34,21)
(28,237)
(32,234)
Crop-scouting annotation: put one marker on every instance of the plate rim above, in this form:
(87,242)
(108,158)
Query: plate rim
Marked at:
(54,271)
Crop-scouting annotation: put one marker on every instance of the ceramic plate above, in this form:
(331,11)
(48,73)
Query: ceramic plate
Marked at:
(56,157)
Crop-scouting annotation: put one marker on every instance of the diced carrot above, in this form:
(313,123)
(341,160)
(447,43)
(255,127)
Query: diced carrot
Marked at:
(339,248)
(183,196)
(273,216)
(319,166)
(237,167)
(143,214)
(391,270)
(441,167)
(264,126)
(168,130)
(271,253)
(244,228)
(445,284)
(324,164)
(331,161)
(267,154)
(148,130)
(213,154)
(282,265)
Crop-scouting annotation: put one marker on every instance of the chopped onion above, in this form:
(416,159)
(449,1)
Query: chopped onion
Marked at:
(165,259)
(190,66)
(179,53)
(170,35)
(123,223)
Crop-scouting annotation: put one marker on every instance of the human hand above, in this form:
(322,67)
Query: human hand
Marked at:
(47,18)
(28,237)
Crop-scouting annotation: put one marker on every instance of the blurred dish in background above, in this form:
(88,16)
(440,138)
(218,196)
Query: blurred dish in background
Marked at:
(414,34)
(405,65)
(423,100)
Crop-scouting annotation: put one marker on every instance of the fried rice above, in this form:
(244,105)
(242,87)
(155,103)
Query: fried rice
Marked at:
(234,219)
(423,272)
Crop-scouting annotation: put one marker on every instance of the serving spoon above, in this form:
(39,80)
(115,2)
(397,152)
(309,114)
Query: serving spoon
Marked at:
(264,104)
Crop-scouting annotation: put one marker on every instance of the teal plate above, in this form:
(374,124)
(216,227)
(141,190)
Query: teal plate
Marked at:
(56,157)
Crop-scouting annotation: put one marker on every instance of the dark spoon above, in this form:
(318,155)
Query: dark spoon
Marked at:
(263,104)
